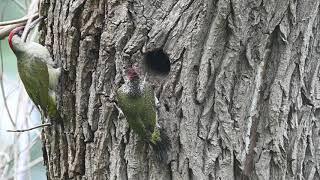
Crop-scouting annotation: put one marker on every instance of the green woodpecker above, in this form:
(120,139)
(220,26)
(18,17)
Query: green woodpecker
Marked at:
(138,103)
(35,67)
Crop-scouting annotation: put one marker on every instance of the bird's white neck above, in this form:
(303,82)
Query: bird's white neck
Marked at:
(134,87)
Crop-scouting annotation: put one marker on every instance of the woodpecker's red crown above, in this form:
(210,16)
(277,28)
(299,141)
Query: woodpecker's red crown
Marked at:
(132,73)
(16,31)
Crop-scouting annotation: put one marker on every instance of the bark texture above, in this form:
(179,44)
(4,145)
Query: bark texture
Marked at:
(241,101)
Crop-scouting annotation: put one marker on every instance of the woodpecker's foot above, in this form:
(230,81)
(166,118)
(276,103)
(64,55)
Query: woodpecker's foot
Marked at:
(121,114)
(111,98)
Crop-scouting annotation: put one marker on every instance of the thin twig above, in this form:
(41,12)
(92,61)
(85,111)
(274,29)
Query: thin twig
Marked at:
(11,92)
(27,150)
(1,83)
(3,92)
(28,117)
(4,32)
(37,132)
(29,129)
(33,8)
(33,107)
(2,86)
(20,101)
(21,20)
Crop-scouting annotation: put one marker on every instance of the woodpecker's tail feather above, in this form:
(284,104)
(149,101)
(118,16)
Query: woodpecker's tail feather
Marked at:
(53,112)
(160,144)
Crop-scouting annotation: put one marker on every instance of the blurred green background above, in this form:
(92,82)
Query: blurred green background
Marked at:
(21,148)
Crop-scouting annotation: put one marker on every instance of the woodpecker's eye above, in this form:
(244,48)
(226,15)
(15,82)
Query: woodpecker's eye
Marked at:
(17,31)
(20,32)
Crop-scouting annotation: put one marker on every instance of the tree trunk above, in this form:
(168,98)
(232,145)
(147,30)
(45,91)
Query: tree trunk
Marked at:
(241,100)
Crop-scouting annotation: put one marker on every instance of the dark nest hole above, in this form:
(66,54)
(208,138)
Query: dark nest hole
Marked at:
(157,62)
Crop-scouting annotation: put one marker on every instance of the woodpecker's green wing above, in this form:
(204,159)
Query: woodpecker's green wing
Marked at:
(41,52)
(139,110)
(148,112)
(34,60)
(131,107)
(141,114)
(35,78)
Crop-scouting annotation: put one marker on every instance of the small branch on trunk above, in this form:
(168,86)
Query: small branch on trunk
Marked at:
(21,20)
(24,130)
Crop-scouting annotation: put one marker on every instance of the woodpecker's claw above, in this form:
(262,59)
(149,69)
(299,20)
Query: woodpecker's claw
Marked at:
(121,114)
(114,102)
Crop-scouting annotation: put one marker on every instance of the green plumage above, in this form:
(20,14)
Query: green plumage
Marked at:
(37,74)
(137,101)
(139,110)
(34,76)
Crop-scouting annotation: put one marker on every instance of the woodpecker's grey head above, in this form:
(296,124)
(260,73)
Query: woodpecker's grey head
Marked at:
(15,41)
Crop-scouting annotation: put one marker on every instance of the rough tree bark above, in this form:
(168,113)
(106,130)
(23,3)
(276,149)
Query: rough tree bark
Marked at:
(241,101)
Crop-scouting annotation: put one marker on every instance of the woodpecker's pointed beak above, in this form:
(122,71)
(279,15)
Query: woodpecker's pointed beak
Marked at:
(29,27)
(35,22)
